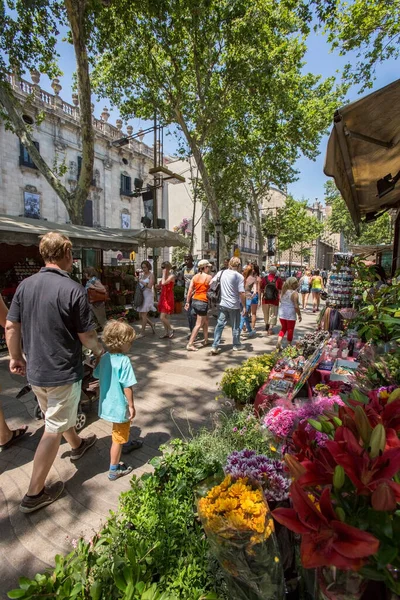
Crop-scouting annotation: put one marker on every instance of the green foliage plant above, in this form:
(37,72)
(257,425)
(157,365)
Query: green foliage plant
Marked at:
(179,293)
(242,383)
(233,430)
(102,569)
(379,311)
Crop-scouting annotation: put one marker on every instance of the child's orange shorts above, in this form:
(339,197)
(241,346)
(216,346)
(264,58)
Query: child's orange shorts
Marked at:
(120,432)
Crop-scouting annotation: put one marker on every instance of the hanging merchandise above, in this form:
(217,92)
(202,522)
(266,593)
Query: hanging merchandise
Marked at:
(340,283)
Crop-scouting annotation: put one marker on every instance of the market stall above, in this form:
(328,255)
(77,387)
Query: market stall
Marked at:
(20,258)
(363,157)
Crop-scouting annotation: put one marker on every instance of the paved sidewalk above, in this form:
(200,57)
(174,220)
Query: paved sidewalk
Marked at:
(175,395)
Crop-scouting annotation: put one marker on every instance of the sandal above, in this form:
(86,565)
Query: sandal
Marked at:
(205,343)
(164,337)
(16,435)
(171,335)
(191,348)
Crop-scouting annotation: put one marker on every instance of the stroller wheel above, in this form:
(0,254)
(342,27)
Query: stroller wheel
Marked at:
(38,413)
(80,421)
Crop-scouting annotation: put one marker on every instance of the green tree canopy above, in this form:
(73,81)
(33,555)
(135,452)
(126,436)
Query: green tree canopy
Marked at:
(369,27)
(221,70)
(293,225)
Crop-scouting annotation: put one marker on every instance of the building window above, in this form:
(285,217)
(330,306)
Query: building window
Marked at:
(126,185)
(206,237)
(24,157)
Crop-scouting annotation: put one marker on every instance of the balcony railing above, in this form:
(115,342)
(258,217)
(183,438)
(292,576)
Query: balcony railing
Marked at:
(55,103)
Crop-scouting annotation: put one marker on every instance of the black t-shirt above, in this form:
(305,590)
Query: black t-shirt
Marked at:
(52,310)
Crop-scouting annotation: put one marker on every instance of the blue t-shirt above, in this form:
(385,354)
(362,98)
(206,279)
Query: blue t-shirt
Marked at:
(115,373)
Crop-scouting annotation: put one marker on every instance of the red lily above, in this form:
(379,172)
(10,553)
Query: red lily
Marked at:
(365,472)
(318,462)
(325,540)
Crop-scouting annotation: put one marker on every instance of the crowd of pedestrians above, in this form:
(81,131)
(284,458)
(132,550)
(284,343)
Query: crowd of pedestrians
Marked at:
(52,317)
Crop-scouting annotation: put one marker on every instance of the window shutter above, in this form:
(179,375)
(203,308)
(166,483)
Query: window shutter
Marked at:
(128,181)
(79,161)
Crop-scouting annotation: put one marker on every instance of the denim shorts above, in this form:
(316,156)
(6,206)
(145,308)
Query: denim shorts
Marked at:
(254,299)
(200,308)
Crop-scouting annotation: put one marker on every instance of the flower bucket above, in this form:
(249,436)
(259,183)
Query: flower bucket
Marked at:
(334,584)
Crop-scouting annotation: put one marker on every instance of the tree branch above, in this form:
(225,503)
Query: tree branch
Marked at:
(14,112)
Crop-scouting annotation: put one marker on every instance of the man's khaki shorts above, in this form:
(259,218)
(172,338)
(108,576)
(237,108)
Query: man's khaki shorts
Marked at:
(120,432)
(59,405)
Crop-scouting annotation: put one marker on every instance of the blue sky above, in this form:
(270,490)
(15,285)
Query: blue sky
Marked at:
(319,60)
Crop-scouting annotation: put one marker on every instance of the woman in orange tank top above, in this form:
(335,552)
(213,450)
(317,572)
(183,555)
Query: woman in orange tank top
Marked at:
(198,295)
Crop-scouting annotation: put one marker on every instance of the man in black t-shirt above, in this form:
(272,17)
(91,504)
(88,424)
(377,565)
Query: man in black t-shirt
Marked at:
(50,317)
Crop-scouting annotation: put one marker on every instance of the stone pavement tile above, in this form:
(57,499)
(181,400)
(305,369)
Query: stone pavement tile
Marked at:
(175,396)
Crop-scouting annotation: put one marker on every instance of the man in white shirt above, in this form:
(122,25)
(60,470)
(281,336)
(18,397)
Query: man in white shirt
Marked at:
(233,300)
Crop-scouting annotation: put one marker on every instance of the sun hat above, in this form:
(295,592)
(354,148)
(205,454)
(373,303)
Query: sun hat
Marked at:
(204,263)
(272,269)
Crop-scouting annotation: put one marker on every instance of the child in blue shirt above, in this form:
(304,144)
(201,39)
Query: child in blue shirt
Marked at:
(117,379)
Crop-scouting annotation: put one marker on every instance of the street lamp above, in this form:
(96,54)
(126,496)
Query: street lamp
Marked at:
(159,172)
(218,231)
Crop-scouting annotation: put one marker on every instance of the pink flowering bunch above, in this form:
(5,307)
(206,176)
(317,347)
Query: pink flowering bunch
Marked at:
(281,420)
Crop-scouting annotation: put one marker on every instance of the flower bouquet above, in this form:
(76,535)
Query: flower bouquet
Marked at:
(346,493)
(240,530)
(272,476)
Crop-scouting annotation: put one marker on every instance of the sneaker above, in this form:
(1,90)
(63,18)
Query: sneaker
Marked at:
(252,334)
(215,351)
(50,494)
(120,471)
(238,348)
(85,445)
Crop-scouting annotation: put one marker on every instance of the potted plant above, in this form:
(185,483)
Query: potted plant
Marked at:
(179,295)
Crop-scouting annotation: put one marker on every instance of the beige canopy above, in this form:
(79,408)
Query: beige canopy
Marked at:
(27,232)
(363,148)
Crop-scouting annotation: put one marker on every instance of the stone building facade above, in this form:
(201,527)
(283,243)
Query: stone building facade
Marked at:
(25,192)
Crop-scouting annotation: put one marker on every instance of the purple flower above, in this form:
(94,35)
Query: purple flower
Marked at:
(268,472)
(234,429)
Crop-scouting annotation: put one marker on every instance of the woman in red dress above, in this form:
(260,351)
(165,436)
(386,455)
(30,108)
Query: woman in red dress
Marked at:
(166,302)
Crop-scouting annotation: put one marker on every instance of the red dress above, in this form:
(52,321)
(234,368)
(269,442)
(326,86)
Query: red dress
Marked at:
(166,303)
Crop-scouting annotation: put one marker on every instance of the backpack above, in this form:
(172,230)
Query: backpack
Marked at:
(138,297)
(271,292)
(214,291)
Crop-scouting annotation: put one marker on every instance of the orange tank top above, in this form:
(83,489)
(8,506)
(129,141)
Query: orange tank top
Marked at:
(200,288)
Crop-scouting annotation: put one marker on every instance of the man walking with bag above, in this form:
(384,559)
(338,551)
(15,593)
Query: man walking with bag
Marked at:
(232,299)
(50,315)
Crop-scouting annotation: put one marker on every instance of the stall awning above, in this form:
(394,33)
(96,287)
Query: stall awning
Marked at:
(363,148)
(371,249)
(158,238)
(27,232)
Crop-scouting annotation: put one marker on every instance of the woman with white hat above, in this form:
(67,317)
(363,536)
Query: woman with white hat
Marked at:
(197,294)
